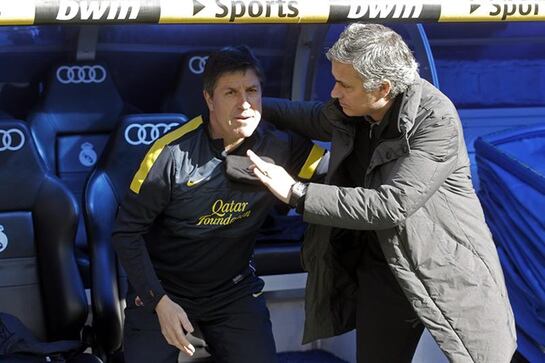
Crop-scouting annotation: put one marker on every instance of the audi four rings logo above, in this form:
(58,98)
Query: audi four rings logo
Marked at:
(12,139)
(81,74)
(145,134)
(197,63)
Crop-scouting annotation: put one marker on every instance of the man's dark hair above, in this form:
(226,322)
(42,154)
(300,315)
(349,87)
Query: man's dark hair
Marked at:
(229,60)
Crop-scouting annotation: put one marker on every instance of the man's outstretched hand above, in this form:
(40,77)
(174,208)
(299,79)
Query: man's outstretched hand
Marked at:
(275,177)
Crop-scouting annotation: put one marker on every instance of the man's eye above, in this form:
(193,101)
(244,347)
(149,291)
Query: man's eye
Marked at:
(229,93)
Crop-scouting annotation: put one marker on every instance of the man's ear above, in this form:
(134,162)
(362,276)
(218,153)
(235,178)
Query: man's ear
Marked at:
(208,100)
(385,89)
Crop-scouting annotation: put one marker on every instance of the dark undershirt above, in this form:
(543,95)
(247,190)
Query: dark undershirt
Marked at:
(368,135)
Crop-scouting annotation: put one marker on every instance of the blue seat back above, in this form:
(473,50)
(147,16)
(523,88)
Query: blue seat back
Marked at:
(187,97)
(71,125)
(105,191)
(39,280)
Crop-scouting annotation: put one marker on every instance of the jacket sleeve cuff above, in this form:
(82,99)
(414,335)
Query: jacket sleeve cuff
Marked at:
(152,296)
(317,196)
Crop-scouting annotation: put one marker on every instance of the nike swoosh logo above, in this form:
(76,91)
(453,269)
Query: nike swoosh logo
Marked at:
(193,182)
(257,294)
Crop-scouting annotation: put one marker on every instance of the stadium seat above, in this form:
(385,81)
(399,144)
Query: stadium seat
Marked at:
(39,279)
(186,98)
(105,190)
(79,108)
(278,244)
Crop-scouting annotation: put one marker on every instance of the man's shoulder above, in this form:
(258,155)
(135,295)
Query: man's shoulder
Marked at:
(273,134)
(183,138)
(267,128)
(177,141)
(433,98)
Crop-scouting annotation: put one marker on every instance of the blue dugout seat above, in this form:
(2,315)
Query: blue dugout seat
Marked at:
(186,97)
(79,109)
(105,190)
(39,279)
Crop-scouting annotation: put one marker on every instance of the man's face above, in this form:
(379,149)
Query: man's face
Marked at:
(353,98)
(235,106)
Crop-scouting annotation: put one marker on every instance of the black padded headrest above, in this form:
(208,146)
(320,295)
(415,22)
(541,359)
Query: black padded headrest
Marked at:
(130,142)
(21,169)
(84,92)
(187,97)
(79,99)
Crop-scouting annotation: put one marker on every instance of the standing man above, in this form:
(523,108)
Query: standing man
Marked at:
(397,240)
(186,231)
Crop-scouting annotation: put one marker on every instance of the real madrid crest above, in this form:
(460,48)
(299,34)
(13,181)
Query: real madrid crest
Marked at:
(87,155)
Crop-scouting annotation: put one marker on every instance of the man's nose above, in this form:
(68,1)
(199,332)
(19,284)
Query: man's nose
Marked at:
(335,92)
(244,102)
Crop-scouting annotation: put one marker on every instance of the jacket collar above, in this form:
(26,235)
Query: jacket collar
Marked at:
(409,106)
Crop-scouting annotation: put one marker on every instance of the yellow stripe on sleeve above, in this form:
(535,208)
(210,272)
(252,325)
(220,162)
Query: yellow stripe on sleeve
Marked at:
(156,150)
(313,159)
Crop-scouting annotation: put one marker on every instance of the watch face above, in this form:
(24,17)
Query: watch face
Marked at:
(297,191)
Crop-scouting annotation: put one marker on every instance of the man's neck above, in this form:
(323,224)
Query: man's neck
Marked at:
(232,145)
(378,115)
(229,144)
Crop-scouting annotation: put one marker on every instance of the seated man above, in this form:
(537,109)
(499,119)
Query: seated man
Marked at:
(186,231)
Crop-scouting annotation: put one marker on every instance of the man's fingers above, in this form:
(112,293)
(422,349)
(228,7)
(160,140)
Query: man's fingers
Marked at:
(167,338)
(259,163)
(183,321)
(188,351)
(186,324)
(190,348)
(175,336)
(181,341)
(264,178)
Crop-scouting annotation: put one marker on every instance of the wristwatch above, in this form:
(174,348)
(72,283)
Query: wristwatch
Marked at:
(297,194)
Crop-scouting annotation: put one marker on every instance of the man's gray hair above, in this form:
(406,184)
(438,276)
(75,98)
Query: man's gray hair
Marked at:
(377,53)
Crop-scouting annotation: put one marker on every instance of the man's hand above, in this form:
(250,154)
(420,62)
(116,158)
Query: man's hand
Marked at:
(275,177)
(172,318)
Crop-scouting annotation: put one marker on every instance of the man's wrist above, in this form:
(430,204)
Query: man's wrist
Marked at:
(155,302)
(297,194)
